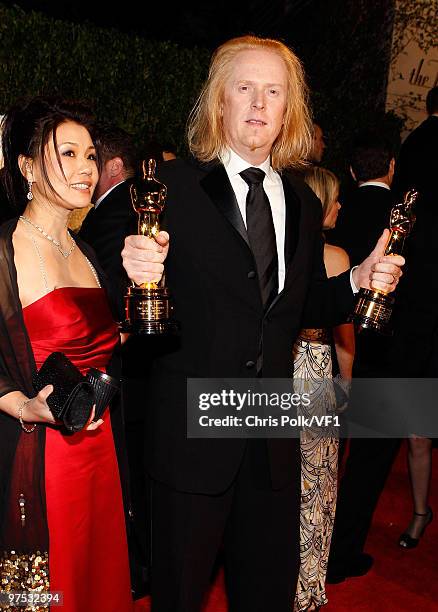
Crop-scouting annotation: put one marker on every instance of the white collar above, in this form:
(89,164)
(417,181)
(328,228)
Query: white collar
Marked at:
(234,164)
(107,193)
(375,184)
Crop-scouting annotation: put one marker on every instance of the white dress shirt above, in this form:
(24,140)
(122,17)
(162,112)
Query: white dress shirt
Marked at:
(273,187)
(274,190)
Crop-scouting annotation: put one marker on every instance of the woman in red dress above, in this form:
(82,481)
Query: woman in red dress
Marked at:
(62,524)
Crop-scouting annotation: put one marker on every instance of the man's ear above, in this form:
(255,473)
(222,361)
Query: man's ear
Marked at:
(115,167)
(392,165)
(352,174)
(26,164)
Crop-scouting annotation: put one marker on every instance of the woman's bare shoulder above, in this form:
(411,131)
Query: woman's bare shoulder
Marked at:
(336,260)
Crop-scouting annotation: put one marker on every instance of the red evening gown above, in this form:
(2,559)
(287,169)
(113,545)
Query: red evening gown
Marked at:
(88,555)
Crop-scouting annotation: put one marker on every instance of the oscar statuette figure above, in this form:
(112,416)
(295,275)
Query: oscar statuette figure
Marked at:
(373,307)
(147,306)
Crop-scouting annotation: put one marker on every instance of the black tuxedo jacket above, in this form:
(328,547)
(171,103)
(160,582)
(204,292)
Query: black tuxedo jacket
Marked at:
(416,310)
(363,217)
(224,330)
(417,164)
(105,229)
(415,346)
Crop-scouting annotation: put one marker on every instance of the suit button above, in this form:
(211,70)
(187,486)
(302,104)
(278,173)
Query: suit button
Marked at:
(250,364)
(251,274)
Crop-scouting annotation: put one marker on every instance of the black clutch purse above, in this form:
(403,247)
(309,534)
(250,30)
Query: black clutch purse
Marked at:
(73,396)
(105,387)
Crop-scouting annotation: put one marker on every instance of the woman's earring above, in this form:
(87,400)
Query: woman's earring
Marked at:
(29,193)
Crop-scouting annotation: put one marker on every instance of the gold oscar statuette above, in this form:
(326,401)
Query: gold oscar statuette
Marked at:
(373,307)
(147,306)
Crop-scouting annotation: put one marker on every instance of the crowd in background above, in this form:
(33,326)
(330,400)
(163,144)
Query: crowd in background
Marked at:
(334,514)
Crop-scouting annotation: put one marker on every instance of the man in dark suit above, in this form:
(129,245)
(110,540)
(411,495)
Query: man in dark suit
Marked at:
(417,164)
(365,211)
(362,219)
(243,284)
(415,348)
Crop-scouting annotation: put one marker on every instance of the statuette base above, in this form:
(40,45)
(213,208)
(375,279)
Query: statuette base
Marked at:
(373,310)
(148,312)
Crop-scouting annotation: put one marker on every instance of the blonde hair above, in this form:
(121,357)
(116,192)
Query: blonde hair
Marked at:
(205,133)
(325,185)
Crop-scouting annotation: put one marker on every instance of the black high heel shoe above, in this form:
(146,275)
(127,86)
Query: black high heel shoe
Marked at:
(406,540)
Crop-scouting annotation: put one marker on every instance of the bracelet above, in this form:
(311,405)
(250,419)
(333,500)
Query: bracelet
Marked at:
(20,417)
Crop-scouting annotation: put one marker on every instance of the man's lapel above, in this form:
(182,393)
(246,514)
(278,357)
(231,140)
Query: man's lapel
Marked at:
(218,187)
(293,213)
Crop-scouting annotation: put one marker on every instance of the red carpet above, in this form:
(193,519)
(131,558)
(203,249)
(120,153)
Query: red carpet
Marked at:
(400,580)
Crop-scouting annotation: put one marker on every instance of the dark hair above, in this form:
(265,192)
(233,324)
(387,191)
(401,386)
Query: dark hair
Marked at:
(168,147)
(371,156)
(432,101)
(112,141)
(154,148)
(26,130)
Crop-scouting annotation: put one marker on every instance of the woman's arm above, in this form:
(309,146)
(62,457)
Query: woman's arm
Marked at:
(35,409)
(343,337)
(337,261)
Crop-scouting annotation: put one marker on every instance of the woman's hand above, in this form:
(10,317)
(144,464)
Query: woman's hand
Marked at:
(92,425)
(37,410)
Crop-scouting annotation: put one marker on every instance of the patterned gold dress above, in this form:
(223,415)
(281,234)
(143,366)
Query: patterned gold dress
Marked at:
(312,361)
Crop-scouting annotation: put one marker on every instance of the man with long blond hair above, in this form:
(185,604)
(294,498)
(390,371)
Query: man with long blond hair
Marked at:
(245,271)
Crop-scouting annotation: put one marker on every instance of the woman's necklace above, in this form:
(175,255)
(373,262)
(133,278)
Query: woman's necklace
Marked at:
(55,242)
(43,267)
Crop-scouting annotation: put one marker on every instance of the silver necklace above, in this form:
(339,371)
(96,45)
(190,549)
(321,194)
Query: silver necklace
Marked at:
(93,270)
(40,261)
(55,242)
(43,267)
